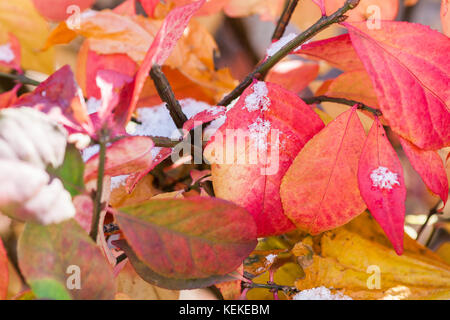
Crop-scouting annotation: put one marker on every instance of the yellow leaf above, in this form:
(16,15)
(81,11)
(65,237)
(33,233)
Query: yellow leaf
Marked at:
(359,259)
(143,191)
(444,251)
(21,18)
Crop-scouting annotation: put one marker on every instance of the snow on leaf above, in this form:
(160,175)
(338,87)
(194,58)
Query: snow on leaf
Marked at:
(380,178)
(320,293)
(383,178)
(258,100)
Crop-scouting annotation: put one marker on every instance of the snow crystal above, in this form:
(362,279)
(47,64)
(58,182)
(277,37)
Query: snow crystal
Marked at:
(258,98)
(216,124)
(93,105)
(258,133)
(383,178)
(6,53)
(270,258)
(118,181)
(320,293)
(276,46)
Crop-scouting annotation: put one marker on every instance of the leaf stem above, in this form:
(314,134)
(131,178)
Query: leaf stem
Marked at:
(20,78)
(284,19)
(166,93)
(348,102)
(99,191)
(265,66)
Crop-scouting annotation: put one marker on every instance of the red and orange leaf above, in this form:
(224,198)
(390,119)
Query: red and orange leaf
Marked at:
(430,167)
(293,75)
(337,51)
(58,10)
(10,56)
(125,156)
(57,251)
(8,98)
(408,65)
(4,273)
(445,17)
(61,98)
(381,183)
(320,190)
(278,124)
(191,238)
(149,6)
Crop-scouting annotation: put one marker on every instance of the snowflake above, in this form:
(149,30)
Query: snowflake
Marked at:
(258,98)
(383,178)
(320,293)
(276,46)
(258,133)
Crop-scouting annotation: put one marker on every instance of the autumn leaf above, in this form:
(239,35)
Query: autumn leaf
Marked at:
(4,273)
(430,167)
(84,207)
(21,19)
(320,190)
(10,53)
(125,156)
(293,75)
(337,51)
(352,259)
(191,238)
(8,98)
(382,186)
(57,10)
(277,124)
(53,253)
(142,192)
(60,97)
(412,82)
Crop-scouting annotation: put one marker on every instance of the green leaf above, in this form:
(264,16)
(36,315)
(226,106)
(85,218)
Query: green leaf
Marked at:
(71,171)
(49,289)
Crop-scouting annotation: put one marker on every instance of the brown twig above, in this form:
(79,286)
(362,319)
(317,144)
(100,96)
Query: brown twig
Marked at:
(166,93)
(265,66)
(20,78)
(431,213)
(284,19)
(348,102)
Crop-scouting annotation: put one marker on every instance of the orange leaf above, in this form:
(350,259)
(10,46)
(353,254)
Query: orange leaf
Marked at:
(320,190)
(293,75)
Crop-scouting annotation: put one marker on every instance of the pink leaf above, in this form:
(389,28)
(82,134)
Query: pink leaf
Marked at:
(408,65)
(61,98)
(126,156)
(380,177)
(430,167)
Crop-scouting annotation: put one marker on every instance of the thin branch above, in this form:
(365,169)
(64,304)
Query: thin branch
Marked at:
(164,142)
(20,78)
(166,93)
(265,66)
(284,19)
(348,102)
(98,194)
(273,287)
(431,213)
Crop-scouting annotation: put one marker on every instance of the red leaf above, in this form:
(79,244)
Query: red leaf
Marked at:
(61,98)
(320,190)
(408,65)
(430,167)
(293,75)
(380,177)
(278,124)
(149,6)
(84,207)
(337,51)
(10,55)
(128,8)
(8,98)
(4,273)
(191,238)
(203,117)
(126,156)
(165,41)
